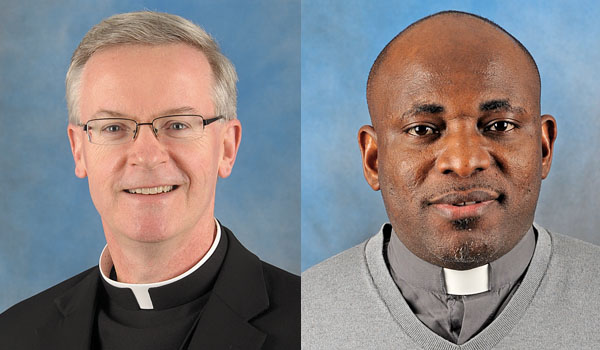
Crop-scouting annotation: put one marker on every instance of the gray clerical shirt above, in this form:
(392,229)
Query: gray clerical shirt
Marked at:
(456,318)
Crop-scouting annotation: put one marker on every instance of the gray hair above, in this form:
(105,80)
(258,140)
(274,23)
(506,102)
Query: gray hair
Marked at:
(153,28)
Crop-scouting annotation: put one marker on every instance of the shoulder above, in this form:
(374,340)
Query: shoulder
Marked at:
(341,304)
(332,283)
(575,258)
(281,284)
(570,283)
(281,319)
(42,301)
(337,269)
(277,291)
(567,245)
(566,303)
(28,315)
(283,288)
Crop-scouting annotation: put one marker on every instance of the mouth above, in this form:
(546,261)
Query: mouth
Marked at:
(461,205)
(462,198)
(152,190)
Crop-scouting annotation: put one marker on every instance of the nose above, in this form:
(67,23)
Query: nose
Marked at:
(463,154)
(146,150)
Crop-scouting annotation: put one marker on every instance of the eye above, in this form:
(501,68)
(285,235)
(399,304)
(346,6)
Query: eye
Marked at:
(112,128)
(422,130)
(500,126)
(177,126)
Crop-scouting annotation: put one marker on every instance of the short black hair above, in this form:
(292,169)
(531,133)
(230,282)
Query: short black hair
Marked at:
(381,57)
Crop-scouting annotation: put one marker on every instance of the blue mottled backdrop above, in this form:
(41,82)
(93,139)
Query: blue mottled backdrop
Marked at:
(49,228)
(340,41)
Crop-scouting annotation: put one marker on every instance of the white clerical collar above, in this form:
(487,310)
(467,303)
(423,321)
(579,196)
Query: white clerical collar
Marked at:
(467,282)
(140,291)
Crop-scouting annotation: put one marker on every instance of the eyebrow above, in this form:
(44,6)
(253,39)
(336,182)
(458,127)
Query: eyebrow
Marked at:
(499,105)
(487,106)
(423,108)
(180,110)
(105,113)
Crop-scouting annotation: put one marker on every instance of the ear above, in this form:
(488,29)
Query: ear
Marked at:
(367,141)
(76,139)
(548,137)
(232,136)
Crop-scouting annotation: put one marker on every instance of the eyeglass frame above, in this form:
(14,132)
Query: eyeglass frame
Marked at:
(205,122)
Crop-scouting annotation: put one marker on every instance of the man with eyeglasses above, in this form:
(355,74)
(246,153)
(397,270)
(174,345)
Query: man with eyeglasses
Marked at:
(152,125)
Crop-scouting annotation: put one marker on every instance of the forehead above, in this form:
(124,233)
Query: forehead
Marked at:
(450,61)
(145,79)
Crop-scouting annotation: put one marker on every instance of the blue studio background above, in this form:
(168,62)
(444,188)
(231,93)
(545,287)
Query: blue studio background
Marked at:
(50,229)
(340,41)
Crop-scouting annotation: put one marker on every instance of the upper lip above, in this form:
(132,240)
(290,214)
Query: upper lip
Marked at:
(478,195)
(147,186)
(134,187)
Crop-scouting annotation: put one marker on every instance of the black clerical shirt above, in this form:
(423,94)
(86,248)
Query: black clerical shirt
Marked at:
(176,309)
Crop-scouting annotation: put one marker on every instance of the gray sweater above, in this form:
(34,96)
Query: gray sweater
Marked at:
(350,301)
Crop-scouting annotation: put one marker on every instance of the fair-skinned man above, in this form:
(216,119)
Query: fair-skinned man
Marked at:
(152,126)
(153,237)
(458,148)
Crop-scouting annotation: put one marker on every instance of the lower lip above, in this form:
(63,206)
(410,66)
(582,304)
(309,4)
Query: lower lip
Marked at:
(453,212)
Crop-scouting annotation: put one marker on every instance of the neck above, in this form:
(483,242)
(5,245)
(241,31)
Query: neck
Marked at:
(149,262)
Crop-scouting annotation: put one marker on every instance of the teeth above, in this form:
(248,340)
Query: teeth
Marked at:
(151,190)
(465,203)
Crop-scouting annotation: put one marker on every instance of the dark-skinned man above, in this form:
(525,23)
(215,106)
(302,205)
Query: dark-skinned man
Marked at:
(458,148)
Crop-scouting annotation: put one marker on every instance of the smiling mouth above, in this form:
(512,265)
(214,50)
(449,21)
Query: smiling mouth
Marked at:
(152,190)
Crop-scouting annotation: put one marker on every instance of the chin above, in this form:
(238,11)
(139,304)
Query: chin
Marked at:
(466,244)
(147,231)
(467,254)
(149,237)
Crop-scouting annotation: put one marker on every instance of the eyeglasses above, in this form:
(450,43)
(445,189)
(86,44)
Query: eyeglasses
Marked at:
(115,131)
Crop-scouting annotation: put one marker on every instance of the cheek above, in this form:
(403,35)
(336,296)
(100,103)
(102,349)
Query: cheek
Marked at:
(198,170)
(521,162)
(528,155)
(402,172)
(199,162)
(403,165)
(103,165)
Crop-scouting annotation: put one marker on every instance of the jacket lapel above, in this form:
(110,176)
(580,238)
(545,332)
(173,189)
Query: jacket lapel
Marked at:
(239,295)
(77,308)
